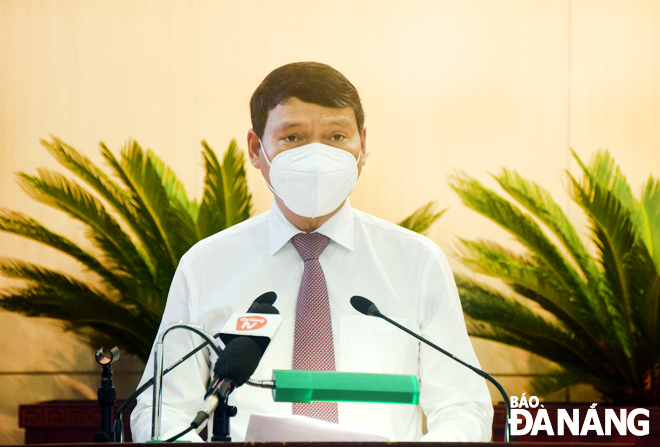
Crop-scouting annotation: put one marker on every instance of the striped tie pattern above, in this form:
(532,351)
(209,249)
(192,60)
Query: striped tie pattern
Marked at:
(313,348)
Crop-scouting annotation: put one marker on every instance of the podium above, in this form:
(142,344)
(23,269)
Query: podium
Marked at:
(74,423)
(361,444)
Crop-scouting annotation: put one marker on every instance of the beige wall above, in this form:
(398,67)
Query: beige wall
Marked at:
(464,84)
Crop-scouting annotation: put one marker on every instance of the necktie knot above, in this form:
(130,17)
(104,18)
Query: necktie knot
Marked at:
(310,245)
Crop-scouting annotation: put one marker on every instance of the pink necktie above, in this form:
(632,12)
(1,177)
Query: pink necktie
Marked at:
(313,348)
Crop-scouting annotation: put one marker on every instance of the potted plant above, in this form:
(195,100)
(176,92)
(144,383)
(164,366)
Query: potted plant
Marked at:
(594,313)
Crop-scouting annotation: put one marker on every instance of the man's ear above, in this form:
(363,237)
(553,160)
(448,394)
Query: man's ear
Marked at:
(363,146)
(254,151)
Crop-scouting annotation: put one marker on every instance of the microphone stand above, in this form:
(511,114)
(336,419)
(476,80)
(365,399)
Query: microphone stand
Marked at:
(366,307)
(118,428)
(107,395)
(507,433)
(221,419)
(158,369)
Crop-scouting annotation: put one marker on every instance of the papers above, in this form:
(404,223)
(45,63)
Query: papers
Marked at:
(286,428)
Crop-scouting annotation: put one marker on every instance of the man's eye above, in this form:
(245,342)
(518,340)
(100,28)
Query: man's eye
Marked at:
(291,138)
(337,137)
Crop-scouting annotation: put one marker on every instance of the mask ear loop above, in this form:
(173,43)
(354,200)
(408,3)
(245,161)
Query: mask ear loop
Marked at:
(263,151)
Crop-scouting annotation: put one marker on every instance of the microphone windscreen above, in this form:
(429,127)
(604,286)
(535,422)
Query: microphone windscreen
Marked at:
(266,298)
(361,304)
(262,308)
(238,360)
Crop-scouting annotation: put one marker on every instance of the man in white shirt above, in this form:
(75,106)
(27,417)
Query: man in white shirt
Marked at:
(308,121)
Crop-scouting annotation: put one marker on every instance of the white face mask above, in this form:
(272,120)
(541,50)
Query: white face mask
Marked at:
(312,180)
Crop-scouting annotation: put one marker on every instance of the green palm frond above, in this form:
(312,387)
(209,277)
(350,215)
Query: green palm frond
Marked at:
(529,234)
(186,210)
(237,200)
(21,225)
(650,203)
(53,189)
(226,199)
(594,315)
(540,203)
(77,301)
(93,317)
(422,219)
(146,189)
(614,234)
(82,167)
(140,223)
(523,275)
(152,245)
(511,316)
(604,172)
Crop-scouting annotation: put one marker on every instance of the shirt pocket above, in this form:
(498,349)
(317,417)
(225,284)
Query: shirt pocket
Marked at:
(369,344)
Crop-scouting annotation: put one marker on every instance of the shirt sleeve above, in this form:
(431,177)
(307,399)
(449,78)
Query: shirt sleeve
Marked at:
(455,400)
(184,387)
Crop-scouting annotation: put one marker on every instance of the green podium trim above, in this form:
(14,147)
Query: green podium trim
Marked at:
(331,386)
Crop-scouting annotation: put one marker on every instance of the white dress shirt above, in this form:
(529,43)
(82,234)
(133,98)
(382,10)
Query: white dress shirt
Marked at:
(405,274)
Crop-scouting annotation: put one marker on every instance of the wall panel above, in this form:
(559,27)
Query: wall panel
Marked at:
(469,85)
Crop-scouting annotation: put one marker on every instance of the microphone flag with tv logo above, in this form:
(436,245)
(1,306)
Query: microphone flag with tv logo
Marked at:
(260,327)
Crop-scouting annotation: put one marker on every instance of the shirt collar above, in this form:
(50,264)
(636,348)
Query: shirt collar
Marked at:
(339,228)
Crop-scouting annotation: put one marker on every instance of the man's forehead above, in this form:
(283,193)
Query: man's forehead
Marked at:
(294,113)
(292,122)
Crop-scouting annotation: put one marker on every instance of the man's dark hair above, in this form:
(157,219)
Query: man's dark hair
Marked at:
(309,82)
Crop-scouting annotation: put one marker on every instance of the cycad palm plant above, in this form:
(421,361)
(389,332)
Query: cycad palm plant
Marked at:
(140,224)
(595,313)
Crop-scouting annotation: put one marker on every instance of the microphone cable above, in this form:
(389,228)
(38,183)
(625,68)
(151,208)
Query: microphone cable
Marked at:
(186,431)
(118,427)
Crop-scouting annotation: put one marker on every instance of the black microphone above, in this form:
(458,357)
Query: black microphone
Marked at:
(236,363)
(266,298)
(264,304)
(366,307)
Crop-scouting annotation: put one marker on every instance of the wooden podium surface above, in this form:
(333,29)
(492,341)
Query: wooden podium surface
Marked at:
(74,423)
(361,444)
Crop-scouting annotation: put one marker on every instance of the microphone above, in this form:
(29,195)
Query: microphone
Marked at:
(261,322)
(236,363)
(263,304)
(364,306)
(242,353)
(367,307)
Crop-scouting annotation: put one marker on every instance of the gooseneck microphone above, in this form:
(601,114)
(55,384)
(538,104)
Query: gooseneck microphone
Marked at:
(263,304)
(367,307)
(236,363)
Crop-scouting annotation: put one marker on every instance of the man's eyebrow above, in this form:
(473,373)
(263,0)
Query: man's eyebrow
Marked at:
(289,125)
(340,122)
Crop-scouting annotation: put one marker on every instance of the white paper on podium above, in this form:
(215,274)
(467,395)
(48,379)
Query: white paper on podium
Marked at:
(287,428)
